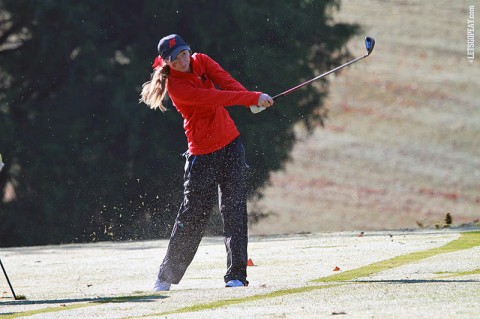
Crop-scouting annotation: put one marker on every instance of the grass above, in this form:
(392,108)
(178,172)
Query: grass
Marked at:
(403,120)
(448,274)
(466,240)
(79,305)
(234,301)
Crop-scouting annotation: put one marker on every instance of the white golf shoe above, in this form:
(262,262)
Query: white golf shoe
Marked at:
(161,286)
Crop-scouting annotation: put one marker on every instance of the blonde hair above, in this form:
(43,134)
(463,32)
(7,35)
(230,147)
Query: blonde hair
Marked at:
(154,91)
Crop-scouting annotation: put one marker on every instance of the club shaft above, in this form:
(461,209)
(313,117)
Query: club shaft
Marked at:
(8,280)
(317,77)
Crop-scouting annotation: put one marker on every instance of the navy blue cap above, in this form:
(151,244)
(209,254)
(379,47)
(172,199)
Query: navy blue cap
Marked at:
(170,46)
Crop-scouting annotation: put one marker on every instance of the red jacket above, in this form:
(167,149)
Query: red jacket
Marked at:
(201,98)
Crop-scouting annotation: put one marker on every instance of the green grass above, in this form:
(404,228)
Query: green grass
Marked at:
(466,241)
(448,274)
(234,301)
(73,306)
(45,310)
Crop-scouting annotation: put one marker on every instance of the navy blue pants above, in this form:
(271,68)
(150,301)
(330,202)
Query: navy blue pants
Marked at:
(219,174)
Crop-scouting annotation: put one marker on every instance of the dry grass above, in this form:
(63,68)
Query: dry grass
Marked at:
(401,147)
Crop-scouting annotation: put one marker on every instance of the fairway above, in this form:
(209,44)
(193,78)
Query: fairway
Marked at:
(294,276)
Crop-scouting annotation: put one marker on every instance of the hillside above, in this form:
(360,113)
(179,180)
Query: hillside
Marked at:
(401,146)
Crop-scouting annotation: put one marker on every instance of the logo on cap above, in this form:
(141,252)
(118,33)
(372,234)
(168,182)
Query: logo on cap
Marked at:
(172,42)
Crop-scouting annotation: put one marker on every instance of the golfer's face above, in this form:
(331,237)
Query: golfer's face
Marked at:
(181,62)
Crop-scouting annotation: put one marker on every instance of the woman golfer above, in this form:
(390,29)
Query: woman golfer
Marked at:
(215,161)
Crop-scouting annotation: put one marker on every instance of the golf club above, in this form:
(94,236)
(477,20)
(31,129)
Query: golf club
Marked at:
(8,280)
(369,44)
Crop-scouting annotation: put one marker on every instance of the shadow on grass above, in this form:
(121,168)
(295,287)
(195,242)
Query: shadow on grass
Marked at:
(98,300)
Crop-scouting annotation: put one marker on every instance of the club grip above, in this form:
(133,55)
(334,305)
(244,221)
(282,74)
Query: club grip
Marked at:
(256,109)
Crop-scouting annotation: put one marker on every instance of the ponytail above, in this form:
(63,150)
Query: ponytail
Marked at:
(154,91)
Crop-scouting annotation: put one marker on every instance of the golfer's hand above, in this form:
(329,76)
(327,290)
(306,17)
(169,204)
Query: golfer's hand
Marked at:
(265,100)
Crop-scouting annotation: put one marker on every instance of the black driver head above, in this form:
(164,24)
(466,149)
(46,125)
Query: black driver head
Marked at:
(369,44)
